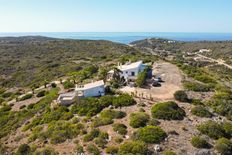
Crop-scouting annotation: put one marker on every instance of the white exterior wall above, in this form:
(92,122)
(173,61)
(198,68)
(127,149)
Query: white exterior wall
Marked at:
(94,91)
(136,71)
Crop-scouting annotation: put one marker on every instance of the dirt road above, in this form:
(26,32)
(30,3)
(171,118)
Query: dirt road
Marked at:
(172,82)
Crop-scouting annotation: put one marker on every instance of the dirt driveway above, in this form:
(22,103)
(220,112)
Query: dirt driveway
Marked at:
(170,74)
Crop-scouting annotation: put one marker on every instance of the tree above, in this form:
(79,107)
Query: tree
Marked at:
(141,79)
(117,78)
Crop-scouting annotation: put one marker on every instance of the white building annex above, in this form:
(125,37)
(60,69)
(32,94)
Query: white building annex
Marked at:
(93,89)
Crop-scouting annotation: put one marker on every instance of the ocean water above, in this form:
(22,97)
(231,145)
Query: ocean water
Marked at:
(127,37)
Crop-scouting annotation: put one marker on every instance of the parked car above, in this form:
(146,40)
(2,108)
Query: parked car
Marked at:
(156,84)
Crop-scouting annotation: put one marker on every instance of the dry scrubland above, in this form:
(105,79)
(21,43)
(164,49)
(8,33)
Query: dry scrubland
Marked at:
(190,113)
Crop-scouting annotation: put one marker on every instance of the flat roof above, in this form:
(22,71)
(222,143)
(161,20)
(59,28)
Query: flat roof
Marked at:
(91,85)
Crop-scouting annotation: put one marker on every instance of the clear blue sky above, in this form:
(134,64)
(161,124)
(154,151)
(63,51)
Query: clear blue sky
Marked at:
(115,15)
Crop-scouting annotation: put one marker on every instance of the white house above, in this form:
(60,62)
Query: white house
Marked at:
(204,50)
(93,89)
(130,70)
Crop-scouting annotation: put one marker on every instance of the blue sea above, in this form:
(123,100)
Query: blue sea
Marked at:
(127,37)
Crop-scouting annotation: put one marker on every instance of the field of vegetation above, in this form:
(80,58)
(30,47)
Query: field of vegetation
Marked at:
(197,120)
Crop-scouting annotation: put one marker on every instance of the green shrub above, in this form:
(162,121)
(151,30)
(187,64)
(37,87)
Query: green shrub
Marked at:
(41,93)
(201,112)
(118,140)
(133,147)
(68,85)
(87,107)
(106,101)
(150,134)
(90,136)
(45,151)
(181,96)
(91,148)
(102,139)
(60,131)
(79,149)
(205,79)
(199,142)
(214,130)
(25,97)
(123,100)
(120,128)
(153,122)
(168,152)
(141,78)
(112,150)
(224,146)
(106,117)
(138,119)
(23,149)
(167,111)
(221,103)
(197,87)
(7,94)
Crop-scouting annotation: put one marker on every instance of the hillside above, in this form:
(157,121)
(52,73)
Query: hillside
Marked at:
(32,60)
(184,107)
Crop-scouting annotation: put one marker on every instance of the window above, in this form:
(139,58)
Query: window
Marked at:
(132,73)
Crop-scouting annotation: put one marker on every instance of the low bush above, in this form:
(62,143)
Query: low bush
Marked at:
(79,149)
(68,85)
(92,149)
(60,131)
(133,147)
(168,152)
(138,119)
(46,151)
(106,117)
(92,106)
(102,139)
(181,96)
(168,111)
(7,94)
(87,107)
(112,150)
(199,142)
(221,103)
(22,106)
(150,134)
(25,97)
(216,130)
(91,135)
(120,128)
(123,100)
(197,87)
(201,112)
(41,93)
(224,146)
(23,149)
